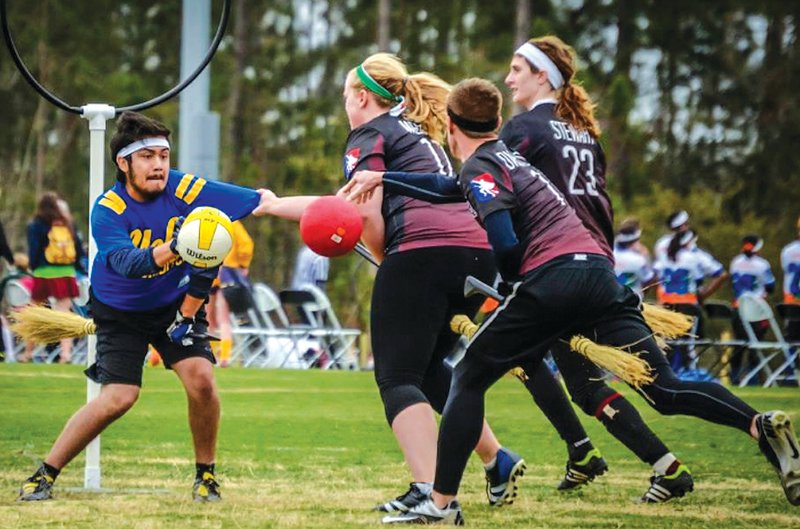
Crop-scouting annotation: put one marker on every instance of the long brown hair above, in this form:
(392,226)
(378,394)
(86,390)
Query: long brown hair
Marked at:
(574,104)
(48,211)
(425,93)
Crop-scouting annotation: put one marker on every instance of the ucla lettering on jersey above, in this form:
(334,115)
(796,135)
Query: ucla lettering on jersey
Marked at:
(120,222)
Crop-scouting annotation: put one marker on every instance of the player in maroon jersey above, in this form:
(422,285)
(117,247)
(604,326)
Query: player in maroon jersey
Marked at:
(559,135)
(426,251)
(562,283)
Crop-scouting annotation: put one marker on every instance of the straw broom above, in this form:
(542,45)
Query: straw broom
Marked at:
(666,323)
(627,366)
(41,325)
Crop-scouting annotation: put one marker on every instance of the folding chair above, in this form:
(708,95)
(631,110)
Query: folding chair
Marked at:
(287,344)
(16,296)
(314,307)
(752,309)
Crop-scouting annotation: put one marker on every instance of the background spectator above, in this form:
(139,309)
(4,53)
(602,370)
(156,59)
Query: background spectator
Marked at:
(310,268)
(55,252)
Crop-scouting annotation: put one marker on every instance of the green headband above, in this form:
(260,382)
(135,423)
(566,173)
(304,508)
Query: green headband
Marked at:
(373,86)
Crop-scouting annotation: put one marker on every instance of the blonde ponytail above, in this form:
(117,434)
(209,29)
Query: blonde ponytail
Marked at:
(424,94)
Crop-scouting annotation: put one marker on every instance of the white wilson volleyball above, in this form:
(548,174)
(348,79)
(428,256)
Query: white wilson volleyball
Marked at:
(206,237)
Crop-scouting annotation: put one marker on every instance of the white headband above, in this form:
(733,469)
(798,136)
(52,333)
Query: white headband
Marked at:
(629,237)
(679,220)
(541,61)
(144,143)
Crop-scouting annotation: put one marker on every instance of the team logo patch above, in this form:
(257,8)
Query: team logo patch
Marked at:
(350,161)
(484,187)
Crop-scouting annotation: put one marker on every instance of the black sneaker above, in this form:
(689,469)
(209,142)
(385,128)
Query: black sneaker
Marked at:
(777,441)
(411,498)
(36,488)
(501,480)
(428,513)
(664,488)
(583,471)
(206,489)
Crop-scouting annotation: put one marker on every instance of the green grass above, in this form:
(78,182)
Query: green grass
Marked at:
(311,449)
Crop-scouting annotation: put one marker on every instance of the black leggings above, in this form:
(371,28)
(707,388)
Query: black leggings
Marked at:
(416,293)
(559,299)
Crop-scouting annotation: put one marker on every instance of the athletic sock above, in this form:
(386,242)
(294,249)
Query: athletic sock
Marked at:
(490,465)
(579,449)
(666,465)
(49,470)
(202,469)
(424,487)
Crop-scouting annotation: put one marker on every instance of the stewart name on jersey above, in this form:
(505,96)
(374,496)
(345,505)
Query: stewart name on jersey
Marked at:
(118,222)
(572,159)
(389,143)
(495,178)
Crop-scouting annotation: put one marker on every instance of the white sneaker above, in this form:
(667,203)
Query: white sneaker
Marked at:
(775,434)
(428,513)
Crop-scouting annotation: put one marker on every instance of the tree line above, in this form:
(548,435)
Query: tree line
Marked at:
(697,101)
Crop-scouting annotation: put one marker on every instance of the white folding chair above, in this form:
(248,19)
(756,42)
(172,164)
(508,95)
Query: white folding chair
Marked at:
(260,341)
(16,296)
(286,343)
(752,309)
(337,342)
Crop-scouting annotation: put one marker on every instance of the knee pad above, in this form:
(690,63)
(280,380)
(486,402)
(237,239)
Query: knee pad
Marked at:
(397,398)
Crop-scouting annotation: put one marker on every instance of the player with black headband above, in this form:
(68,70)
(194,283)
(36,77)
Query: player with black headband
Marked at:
(562,283)
(143,293)
(427,250)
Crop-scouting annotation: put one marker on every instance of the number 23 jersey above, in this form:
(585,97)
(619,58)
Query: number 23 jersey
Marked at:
(572,159)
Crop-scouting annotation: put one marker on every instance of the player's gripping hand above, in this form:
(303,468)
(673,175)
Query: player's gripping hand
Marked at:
(182,330)
(173,244)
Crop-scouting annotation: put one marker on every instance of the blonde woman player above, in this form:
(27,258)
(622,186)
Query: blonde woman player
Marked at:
(426,251)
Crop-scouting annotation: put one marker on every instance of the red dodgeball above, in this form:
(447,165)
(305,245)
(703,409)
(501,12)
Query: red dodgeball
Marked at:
(331,226)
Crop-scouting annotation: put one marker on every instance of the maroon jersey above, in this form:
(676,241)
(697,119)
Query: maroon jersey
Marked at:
(389,143)
(573,160)
(496,178)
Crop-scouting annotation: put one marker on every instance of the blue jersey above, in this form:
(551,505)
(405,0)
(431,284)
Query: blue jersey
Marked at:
(119,222)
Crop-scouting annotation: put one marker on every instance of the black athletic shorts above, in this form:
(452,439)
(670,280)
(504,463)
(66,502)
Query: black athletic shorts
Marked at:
(123,337)
(572,294)
(416,293)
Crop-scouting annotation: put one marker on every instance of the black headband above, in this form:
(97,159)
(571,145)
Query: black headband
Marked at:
(472,126)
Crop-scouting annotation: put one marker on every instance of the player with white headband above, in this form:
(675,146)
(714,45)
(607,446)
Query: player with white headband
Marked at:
(144,293)
(559,136)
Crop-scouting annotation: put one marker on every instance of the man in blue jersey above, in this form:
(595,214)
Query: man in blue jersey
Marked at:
(143,293)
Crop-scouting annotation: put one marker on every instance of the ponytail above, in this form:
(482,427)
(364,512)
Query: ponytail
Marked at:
(424,94)
(576,108)
(574,104)
(425,98)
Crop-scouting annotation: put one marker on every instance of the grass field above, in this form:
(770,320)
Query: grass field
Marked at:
(305,449)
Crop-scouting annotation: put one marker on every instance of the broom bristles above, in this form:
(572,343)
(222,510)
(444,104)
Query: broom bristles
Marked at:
(627,366)
(41,325)
(665,322)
